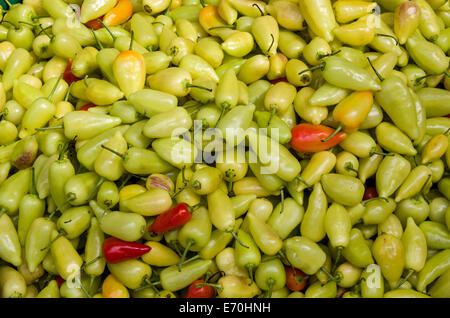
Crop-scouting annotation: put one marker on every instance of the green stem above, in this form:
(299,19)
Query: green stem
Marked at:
(298,178)
(340,127)
(338,258)
(131,41)
(95,189)
(114,152)
(373,199)
(92,261)
(189,243)
(250,272)
(107,29)
(230,175)
(312,68)
(224,109)
(200,87)
(97,40)
(282,201)
(195,185)
(232,26)
(405,279)
(381,78)
(257,6)
(168,8)
(272,113)
(55,87)
(388,36)
(62,233)
(50,128)
(237,239)
(270,283)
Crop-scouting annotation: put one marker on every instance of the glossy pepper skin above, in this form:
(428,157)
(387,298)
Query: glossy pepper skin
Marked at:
(311,138)
(116,250)
(171,219)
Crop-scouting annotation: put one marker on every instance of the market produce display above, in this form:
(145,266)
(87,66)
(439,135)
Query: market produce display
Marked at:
(225,148)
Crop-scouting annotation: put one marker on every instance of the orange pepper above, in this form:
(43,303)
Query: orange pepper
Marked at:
(112,288)
(351,112)
(212,23)
(119,14)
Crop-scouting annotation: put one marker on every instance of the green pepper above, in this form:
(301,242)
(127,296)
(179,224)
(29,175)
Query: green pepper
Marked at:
(391,173)
(37,241)
(416,207)
(342,189)
(427,55)
(378,210)
(389,254)
(357,252)
(393,139)
(248,257)
(434,267)
(415,245)
(437,235)
(13,189)
(173,280)
(270,275)
(49,291)
(440,288)
(304,254)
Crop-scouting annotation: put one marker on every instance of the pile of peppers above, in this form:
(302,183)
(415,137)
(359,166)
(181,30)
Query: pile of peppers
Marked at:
(101,192)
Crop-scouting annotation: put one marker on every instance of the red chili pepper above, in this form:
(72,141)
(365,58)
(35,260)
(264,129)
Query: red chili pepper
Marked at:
(370,193)
(116,250)
(312,138)
(94,24)
(87,106)
(68,75)
(295,279)
(171,219)
(59,281)
(200,289)
(277,80)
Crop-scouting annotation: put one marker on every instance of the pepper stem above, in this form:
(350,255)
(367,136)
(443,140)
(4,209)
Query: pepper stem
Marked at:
(270,283)
(237,239)
(55,87)
(50,128)
(191,106)
(312,68)
(199,87)
(331,277)
(189,243)
(373,199)
(28,23)
(62,233)
(388,36)
(271,43)
(250,272)
(66,98)
(282,201)
(92,261)
(114,152)
(232,26)
(33,181)
(96,39)
(224,109)
(272,113)
(338,258)
(95,189)
(404,279)
(419,79)
(230,175)
(215,286)
(334,133)
(45,31)
(349,166)
(168,8)
(195,185)
(257,6)
(107,29)
(381,78)
(298,178)
(131,41)
(375,152)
